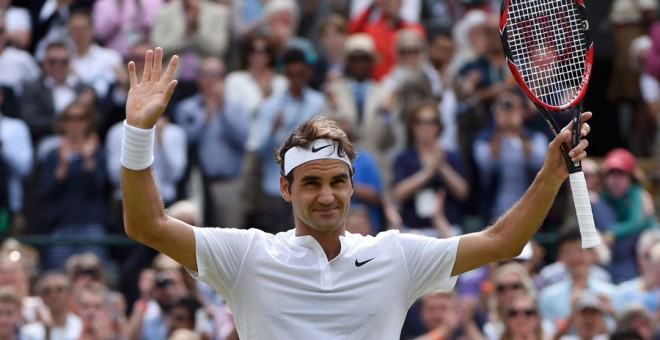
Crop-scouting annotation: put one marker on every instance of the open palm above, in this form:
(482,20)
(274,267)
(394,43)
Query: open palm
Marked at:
(147,100)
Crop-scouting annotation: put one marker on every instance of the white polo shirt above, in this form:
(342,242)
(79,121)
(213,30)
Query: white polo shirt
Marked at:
(283,287)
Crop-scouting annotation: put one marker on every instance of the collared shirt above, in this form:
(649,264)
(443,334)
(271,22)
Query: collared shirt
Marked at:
(170,159)
(294,111)
(17,67)
(17,154)
(72,329)
(96,68)
(63,94)
(219,141)
(283,286)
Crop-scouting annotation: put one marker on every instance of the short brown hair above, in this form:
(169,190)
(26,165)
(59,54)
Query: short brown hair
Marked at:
(317,127)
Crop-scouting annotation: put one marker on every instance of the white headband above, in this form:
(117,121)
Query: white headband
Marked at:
(318,149)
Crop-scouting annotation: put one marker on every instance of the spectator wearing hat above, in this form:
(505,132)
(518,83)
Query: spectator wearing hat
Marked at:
(363,102)
(589,316)
(633,209)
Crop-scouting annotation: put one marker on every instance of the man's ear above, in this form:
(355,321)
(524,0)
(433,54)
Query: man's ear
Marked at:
(284,189)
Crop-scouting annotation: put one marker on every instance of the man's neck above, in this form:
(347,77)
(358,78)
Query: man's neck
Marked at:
(329,241)
(82,49)
(297,93)
(59,319)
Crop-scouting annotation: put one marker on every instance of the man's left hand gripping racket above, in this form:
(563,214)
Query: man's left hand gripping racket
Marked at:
(549,52)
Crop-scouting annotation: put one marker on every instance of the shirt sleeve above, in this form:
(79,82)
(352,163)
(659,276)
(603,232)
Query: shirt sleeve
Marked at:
(429,262)
(220,255)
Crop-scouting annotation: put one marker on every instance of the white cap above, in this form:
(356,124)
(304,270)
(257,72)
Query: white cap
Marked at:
(526,253)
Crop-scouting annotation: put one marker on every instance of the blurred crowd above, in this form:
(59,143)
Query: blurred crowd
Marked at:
(446,142)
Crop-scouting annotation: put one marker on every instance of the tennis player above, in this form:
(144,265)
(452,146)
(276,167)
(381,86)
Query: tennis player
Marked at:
(315,281)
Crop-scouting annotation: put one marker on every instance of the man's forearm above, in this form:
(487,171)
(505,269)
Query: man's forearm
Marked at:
(143,208)
(517,226)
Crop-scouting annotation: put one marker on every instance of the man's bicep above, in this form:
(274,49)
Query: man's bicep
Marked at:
(176,239)
(474,250)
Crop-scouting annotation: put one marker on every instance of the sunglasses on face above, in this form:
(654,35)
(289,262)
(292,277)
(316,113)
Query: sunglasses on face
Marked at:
(526,312)
(210,74)
(74,118)
(504,287)
(420,121)
(506,104)
(58,61)
(53,289)
(409,51)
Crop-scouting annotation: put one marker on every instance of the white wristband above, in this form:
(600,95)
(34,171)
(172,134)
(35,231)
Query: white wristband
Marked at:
(137,147)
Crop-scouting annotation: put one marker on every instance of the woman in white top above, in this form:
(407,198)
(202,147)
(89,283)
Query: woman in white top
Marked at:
(257,78)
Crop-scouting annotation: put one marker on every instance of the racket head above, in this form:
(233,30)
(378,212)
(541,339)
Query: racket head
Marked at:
(548,49)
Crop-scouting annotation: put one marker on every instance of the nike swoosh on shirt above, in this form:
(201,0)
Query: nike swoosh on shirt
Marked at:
(360,264)
(315,150)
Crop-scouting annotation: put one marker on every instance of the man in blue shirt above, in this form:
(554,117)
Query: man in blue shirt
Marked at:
(278,116)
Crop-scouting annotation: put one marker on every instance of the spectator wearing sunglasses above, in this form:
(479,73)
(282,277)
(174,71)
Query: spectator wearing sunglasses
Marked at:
(57,321)
(522,319)
(507,155)
(44,99)
(505,283)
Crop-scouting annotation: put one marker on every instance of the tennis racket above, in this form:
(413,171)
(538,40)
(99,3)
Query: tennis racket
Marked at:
(549,52)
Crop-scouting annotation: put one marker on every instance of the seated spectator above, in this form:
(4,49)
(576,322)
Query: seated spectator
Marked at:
(588,316)
(506,282)
(330,63)
(193,30)
(19,24)
(100,319)
(410,76)
(383,22)
(363,102)
(603,212)
(217,126)
(16,66)
(424,168)
(636,318)
(445,316)
(555,300)
(277,117)
(10,309)
(281,19)
(257,78)
(15,165)
(95,65)
(17,263)
(56,319)
(634,212)
(120,24)
(523,319)
(44,99)
(181,314)
(507,155)
(645,288)
(159,289)
(73,180)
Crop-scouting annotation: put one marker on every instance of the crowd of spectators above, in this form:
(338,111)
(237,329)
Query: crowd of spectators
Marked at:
(446,143)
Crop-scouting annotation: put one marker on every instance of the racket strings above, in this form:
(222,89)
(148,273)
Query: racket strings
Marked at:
(546,39)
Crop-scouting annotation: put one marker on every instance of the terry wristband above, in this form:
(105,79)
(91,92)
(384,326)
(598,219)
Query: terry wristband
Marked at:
(137,147)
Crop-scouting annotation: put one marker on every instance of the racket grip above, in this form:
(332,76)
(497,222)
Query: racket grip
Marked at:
(585,218)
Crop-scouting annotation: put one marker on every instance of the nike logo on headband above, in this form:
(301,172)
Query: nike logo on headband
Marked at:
(315,150)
